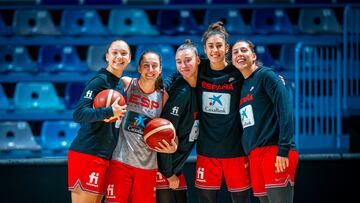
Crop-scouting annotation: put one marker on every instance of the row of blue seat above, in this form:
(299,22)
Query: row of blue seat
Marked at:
(41,96)
(138,2)
(58,58)
(169,22)
(18,140)
(175,2)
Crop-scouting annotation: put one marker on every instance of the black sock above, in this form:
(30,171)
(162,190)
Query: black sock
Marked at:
(240,197)
(281,194)
(207,196)
(264,199)
(180,196)
(164,196)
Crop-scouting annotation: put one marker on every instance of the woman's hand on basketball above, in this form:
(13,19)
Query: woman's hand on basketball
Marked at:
(119,111)
(173,182)
(281,164)
(165,147)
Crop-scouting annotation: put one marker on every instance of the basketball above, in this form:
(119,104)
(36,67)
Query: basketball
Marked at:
(106,98)
(158,129)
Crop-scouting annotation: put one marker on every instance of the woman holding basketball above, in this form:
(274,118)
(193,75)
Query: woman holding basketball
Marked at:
(181,109)
(219,148)
(132,172)
(90,152)
(267,120)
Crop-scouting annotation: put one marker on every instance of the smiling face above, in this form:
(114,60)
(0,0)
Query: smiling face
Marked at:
(187,63)
(216,48)
(118,56)
(243,58)
(150,67)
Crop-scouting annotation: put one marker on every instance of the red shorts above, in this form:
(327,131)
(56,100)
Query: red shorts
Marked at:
(209,173)
(163,183)
(262,169)
(87,172)
(126,183)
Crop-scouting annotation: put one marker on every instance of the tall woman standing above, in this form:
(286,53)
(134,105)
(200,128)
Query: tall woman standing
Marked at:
(181,109)
(267,120)
(219,148)
(90,152)
(132,171)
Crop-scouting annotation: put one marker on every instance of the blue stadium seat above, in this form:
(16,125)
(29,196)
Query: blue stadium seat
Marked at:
(17,137)
(231,18)
(96,57)
(270,21)
(4,102)
(19,2)
(229,1)
(81,22)
(73,92)
(271,1)
(287,56)
(344,1)
(131,70)
(143,2)
(56,136)
(16,59)
(60,2)
(314,1)
(103,2)
(201,51)
(168,59)
(187,1)
(264,55)
(33,22)
(57,58)
(4,29)
(172,22)
(130,22)
(287,62)
(166,52)
(36,96)
(318,21)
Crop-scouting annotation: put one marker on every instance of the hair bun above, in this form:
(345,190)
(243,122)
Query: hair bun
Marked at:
(188,41)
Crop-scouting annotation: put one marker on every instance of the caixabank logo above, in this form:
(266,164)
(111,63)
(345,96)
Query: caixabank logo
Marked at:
(136,122)
(216,103)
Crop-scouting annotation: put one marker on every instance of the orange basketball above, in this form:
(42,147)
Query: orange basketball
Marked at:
(106,98)
(158,129)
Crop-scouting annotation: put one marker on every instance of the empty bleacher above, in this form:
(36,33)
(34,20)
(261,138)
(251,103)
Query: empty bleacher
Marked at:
(48,49)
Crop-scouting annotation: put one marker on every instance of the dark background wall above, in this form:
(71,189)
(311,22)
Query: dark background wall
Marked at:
(319,179)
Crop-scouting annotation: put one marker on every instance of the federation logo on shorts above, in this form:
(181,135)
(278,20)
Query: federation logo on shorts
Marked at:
(200,172)
(216,103)
(160,178)
(93,179)
(247,116)
(110,191)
